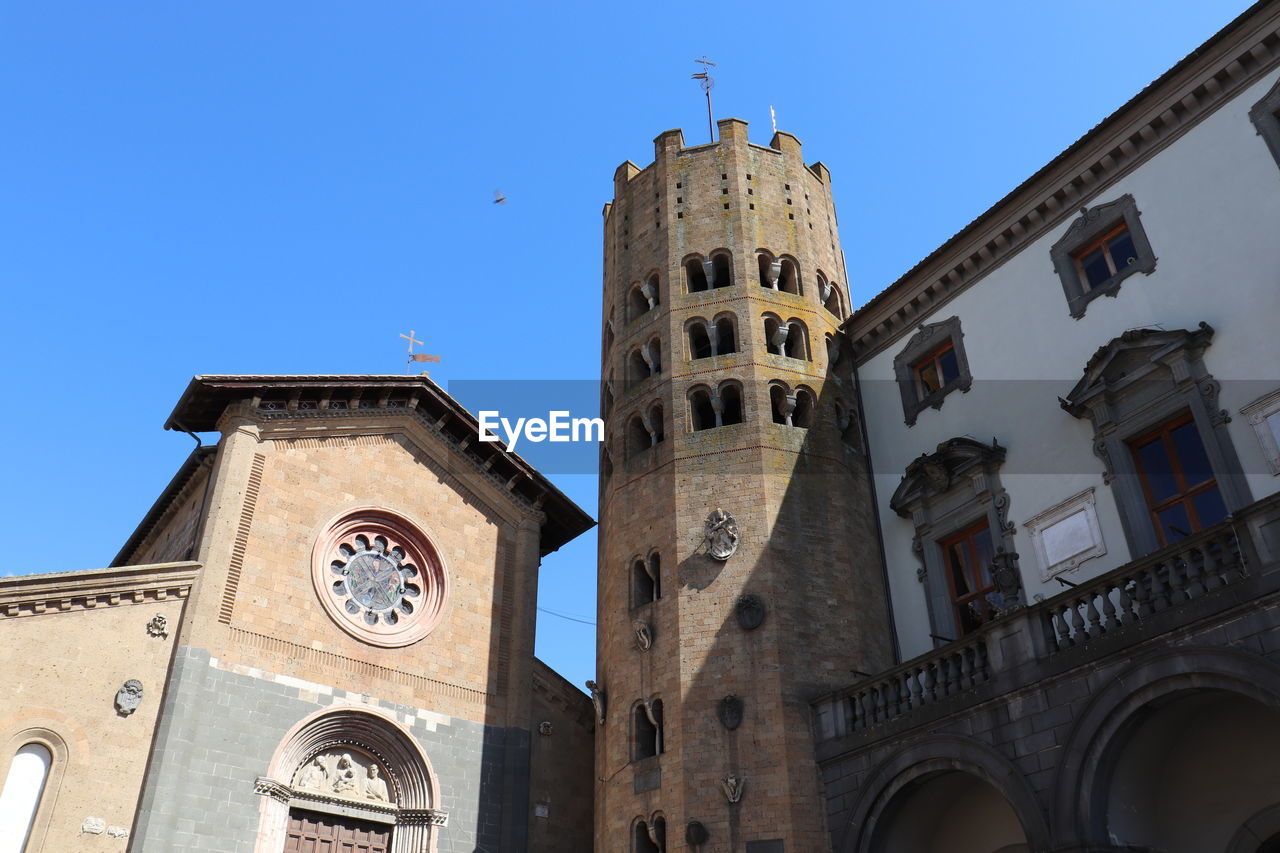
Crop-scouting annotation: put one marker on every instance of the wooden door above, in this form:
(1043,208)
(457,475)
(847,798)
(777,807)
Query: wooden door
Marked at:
(311,832)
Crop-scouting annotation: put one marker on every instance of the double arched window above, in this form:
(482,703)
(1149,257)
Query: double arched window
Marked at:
(710,408)
(720,337)
(647,729)
(645,430)
(832,296)
(792,407)
(642,297)
(649,835)
(779,273)
(646,580)
(644,361)
(790,339)
(715,270)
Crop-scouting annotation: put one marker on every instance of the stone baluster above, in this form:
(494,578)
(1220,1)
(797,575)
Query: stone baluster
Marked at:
(1092,618)
(1110,619)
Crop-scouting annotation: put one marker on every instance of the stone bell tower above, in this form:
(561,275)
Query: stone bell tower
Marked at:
(739,570)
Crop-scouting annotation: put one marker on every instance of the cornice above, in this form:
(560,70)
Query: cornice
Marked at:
(1237,57)
(60,592)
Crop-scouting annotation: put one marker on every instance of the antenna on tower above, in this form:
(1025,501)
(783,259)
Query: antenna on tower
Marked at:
(707,85)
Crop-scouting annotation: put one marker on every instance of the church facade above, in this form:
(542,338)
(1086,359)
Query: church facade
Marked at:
(320,638)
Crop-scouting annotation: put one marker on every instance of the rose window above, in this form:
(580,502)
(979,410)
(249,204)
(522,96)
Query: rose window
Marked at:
(375,580)
(379,578)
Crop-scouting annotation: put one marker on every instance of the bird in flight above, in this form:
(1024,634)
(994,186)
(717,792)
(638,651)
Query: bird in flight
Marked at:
(498,197)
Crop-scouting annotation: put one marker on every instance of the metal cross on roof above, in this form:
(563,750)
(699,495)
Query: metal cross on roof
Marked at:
(416,356)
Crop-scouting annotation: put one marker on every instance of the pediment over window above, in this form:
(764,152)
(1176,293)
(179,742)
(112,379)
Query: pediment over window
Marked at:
(934,474)
(1153,359)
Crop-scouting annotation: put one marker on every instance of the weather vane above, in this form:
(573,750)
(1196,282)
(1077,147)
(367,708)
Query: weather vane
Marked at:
(707,85)
(416,356)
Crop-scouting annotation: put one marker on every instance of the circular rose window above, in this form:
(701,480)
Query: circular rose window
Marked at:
(379,577)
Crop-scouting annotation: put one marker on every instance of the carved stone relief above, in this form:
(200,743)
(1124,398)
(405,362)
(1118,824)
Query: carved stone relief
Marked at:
(730,712)
(93,826)
(644,635)
(597,699)
(129,697)
(339,773)
(545,728)
(117,832)
(733,787)
(696,834)
(158,626)
(750,611)
(720,535)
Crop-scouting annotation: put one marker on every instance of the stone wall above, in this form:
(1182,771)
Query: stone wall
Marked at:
(561,761)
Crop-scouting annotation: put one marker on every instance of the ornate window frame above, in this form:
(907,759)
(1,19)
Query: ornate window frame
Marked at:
(944,492)
(1265,116)
(1132,385)
(1263,415)
(1092,224)
(1083,508)
(928,338)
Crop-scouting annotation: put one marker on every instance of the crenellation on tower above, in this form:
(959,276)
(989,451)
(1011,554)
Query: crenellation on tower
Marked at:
(722,394)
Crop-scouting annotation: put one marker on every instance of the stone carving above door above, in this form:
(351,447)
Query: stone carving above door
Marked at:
(345,774)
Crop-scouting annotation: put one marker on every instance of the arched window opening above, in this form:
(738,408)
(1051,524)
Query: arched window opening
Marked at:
(644,585)
(653,356)
(789,277)
(726,336)
(694,275)
(608,338)
(651,291)
(770,271)
(648,839)
(722,269)
(775,335)
(637,366)
(20,796)
(833,299)
(699,342)
(803,415)
(655,574)
(850,430)
(796,344)
(606,400)
(638,438)
(648,729)
(730,404)
(654,422)
(636,303)
(606,463)
(779,404)
(702,414)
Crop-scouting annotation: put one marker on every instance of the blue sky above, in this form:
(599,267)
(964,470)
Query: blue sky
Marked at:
(284,187)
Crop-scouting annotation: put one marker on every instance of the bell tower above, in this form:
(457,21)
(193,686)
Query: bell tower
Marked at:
(739,568)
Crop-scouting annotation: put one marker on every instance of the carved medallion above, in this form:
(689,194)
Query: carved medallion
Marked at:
(158,626)
(720,534)
(750,611)
(696,834)
(129,697)
(730,712)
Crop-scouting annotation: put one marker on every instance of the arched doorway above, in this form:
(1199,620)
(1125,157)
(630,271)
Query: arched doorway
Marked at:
(1192,771)
(349,779)
(949,812)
